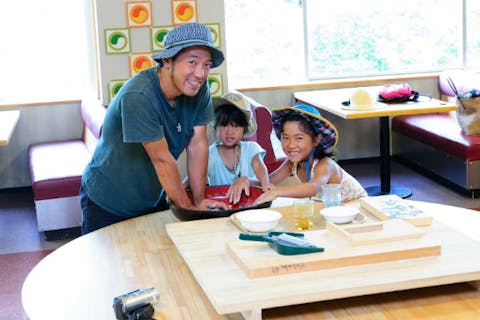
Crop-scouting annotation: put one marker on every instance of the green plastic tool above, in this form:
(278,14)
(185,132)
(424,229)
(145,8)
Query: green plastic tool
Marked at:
(284,243)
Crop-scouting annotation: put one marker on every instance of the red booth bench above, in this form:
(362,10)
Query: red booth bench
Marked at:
(56,169)
(435,142)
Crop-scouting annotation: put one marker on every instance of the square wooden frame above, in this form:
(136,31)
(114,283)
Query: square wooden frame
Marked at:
(157,37)
(143,6)
(112,38)
(184,11)
(215,81)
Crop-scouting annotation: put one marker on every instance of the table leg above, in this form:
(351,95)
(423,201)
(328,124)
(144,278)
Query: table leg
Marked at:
(385,170)
(254,314)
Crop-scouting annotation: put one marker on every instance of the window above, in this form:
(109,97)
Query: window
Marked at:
(43,50)
(472,39)
(264,42)
(290,41)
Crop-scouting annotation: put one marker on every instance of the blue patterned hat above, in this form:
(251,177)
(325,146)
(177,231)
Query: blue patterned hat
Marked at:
(189,35)
(319,124)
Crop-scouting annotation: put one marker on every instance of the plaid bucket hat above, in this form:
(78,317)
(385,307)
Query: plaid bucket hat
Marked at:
(239,101)
(189,35)
(319,124)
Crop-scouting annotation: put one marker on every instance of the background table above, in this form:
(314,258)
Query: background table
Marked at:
(80,279)
(331,101)
(8,121)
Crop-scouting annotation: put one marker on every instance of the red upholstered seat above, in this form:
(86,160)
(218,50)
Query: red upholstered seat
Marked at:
(440,131)
(56,168)
(262,136)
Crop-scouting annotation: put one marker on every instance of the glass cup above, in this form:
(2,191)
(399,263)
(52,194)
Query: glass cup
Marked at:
(303,213)
(331,195)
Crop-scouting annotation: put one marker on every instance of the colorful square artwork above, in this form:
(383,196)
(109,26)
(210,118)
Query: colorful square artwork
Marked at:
(184,11)
(117,41)
(158,35)
(139,14)
(215,28)
(140,61)
(215,81)
(114,86)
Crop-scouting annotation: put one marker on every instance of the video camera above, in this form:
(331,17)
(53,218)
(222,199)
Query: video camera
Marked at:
(135,305)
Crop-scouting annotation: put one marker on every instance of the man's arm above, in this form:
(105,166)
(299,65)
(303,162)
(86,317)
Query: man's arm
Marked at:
(197,163)
(167,172)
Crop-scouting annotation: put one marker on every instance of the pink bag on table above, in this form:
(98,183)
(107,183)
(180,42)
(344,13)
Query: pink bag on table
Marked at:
(397,93)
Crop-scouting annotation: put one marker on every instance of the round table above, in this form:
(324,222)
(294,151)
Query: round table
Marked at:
(80,279)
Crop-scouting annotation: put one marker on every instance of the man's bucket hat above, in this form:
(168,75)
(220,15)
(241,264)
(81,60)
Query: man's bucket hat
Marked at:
(319,124)
(189,35)
(239,101)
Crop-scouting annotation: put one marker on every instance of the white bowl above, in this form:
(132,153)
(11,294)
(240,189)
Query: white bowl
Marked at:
(340,214)
(258,220)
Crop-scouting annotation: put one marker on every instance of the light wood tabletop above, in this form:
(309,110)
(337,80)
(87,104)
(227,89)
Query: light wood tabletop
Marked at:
(331,100)
(8,122)
(80,279)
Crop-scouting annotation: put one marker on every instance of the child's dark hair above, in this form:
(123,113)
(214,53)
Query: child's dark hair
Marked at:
(307,128)
(227,113)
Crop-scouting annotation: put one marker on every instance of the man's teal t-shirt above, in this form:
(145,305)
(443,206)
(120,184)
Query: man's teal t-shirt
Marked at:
(120,177)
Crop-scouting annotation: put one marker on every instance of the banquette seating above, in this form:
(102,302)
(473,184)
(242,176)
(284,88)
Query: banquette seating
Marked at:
(263,136)
(435,142)
(56,169)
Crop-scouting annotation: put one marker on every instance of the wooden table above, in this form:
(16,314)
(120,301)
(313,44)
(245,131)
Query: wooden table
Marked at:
(8,121)
(331,101)
(80,279)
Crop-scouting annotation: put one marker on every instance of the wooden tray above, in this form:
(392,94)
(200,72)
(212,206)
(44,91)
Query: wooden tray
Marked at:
(257,259)
(377,232)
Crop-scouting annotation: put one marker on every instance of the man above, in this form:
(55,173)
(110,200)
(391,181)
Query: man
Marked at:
(154,117)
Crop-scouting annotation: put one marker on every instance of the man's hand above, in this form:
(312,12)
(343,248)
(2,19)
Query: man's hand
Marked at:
(208,204)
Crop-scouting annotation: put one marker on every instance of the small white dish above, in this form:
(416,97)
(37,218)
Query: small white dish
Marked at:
(340,214)
(258,220)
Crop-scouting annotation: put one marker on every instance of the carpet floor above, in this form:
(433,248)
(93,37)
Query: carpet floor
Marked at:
(14,269)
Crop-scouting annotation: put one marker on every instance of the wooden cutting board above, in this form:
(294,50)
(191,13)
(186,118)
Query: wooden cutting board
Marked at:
(257,259)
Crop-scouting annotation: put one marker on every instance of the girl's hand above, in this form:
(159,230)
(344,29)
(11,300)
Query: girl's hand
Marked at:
(267,187)
(266,197)
(235,191)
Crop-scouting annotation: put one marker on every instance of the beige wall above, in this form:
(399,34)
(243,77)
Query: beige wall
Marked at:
(111,14)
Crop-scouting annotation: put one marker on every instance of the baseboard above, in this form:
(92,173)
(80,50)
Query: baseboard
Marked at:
(63,234)
(445,182)
(358,160)
(17,190)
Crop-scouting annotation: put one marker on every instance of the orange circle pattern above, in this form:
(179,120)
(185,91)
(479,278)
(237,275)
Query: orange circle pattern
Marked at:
(139,14)
(184,11)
